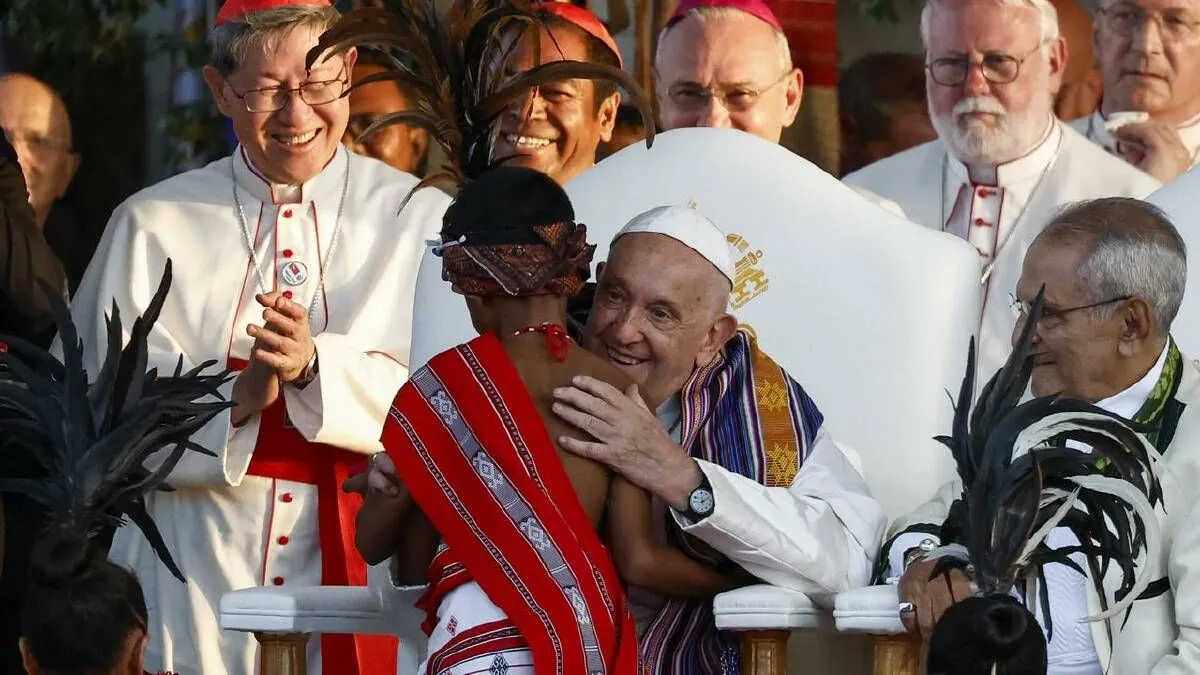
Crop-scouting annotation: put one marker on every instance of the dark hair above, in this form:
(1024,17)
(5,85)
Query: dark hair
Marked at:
(508,200)
(875,88)
(977,634)
(80,609)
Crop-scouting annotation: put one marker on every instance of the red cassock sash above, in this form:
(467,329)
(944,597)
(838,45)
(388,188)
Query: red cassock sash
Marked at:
(283,453)
(474,453)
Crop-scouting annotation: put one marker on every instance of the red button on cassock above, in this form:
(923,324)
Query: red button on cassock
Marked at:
(286,498)
(287,213)
(282,541)
(278,581)
(980,221)
(984,192)
(287,252)
(287,294)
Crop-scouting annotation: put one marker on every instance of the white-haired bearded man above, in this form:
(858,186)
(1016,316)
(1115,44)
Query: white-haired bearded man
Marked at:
(1002,163)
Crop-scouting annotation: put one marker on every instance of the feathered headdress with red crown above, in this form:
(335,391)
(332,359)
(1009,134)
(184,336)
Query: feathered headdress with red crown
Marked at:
(452,63)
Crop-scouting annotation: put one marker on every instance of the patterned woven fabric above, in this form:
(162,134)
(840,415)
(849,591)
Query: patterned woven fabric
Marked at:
(744,413)
(558,265)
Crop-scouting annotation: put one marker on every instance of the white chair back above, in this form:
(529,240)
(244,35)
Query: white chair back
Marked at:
(1178,200)
(870,313)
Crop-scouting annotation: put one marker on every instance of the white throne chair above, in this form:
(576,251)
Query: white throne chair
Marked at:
(1178,200)
(872,314)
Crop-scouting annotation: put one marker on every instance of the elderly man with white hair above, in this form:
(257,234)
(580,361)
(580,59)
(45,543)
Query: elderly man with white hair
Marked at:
(1002,163)
(755,489)
(1149,55)
(726,63)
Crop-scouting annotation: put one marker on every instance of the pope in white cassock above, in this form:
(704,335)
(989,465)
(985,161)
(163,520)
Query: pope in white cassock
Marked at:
(293,265)
(1002,164)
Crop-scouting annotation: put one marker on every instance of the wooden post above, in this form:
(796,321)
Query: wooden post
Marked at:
(282,653)
(764,652)
(897,654)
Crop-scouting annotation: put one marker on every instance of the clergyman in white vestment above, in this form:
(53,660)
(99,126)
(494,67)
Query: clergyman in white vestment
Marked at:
(1120,356)
(294,220)
(1149,113)
(1002,163)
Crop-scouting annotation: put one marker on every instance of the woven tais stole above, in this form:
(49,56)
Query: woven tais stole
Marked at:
(467,438)
(742,412)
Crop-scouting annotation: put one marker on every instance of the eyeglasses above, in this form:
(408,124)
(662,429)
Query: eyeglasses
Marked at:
(735,99)
(951,71)
(1020,308)
(1174,25)
(39,144)
(313,92)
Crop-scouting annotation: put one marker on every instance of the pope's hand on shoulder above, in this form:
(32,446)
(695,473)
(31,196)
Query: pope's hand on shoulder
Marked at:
(284,342)
(627,437)
(1155,148)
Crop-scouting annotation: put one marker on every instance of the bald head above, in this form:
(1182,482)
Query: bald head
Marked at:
(35,120)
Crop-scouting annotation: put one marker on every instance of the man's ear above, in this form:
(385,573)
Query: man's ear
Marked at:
(135,661)
(599,270)
(792,96)
(1138,326)
(718,334)
(1056,59)
(216,84)
(606,116)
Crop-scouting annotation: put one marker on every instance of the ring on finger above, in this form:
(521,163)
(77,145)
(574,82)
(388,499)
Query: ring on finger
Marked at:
(907,608)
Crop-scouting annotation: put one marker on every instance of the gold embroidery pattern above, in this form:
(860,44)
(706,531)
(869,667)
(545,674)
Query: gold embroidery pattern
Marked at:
(749,281)
(774,418)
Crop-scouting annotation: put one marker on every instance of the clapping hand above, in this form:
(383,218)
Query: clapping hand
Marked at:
(284,342)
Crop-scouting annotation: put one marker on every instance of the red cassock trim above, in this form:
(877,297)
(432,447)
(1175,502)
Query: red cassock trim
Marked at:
(484,390)
(282,453)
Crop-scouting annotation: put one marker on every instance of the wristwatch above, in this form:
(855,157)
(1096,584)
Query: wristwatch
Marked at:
(308,374)
(700,503)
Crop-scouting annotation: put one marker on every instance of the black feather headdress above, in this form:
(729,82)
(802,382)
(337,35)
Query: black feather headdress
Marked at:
(91,440)
(1027,468)
(453,64)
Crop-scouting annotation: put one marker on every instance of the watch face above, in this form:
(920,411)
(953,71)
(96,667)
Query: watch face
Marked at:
(701,501)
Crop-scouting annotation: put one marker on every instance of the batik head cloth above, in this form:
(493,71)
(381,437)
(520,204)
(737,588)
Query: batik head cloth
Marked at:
(555,260)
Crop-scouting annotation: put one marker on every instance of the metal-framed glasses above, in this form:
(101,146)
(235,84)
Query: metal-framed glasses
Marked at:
(1175,25)
(690,97)
(997,67)
(312,92)
(1020,308)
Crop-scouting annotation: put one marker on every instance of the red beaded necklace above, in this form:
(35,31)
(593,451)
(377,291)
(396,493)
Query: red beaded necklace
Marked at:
(557,340)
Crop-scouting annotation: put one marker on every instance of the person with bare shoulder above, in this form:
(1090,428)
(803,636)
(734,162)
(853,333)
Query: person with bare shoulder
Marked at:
(474,489)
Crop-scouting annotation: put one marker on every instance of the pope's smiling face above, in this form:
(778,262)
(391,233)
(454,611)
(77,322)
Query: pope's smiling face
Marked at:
(293,144)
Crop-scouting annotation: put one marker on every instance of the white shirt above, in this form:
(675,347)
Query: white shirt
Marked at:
(1071,650)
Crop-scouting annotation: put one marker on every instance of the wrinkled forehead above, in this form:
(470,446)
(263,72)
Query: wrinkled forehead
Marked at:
(1052,262)
(983,26)
(719,51)
(28,105)
(1173,6)
(281,55)
(659,265)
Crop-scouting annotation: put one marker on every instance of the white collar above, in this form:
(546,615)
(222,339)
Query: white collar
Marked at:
(1189,134)
(1127,403)
(1029,167)
(323,188)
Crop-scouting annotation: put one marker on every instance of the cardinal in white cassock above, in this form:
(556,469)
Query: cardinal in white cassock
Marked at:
(295,266)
